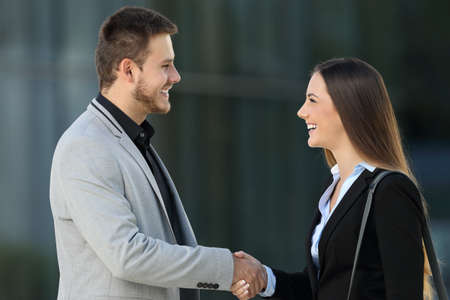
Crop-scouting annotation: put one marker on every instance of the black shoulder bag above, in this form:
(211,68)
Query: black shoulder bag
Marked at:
(437,277)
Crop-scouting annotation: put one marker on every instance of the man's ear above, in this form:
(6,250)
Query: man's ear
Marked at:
(126,70)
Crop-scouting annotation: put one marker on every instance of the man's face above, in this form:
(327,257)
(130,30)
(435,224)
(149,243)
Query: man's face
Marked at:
(158,75)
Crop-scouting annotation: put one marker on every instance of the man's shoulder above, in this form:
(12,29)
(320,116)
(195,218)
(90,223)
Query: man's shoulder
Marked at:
(87,124)
(87,132)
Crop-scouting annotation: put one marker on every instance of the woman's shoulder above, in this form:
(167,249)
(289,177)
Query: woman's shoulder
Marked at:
(395,179)
(397,185)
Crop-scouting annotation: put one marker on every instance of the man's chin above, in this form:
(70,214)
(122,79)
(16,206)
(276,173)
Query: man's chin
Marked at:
(161,109)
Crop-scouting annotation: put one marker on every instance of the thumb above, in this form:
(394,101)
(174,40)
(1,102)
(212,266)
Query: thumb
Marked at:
(239,254)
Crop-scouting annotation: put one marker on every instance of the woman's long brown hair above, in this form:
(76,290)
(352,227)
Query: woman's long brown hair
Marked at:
(362,102)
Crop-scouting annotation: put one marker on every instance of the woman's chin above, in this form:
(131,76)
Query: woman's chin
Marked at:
(312,144)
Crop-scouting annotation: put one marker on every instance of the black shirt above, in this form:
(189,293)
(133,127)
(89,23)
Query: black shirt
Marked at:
(141,135)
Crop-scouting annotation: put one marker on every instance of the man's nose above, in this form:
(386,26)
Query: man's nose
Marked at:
(175,76)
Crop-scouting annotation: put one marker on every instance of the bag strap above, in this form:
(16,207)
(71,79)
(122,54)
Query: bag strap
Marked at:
(435,271)
(437,277)
(367,207)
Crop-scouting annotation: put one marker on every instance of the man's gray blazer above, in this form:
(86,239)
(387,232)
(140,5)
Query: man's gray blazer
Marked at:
(113,235)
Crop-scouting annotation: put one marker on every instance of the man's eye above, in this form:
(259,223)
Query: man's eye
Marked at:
(312,100)
(165,66)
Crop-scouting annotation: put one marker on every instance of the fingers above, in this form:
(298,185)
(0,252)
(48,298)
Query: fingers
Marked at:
(261,279)
(258,281)
(244,290)
(237,285)
(240,289)
(243,296)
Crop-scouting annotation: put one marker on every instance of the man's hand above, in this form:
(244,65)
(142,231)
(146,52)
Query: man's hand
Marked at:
(249,276)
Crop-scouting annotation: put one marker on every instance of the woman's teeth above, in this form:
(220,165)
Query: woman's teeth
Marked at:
(311,126)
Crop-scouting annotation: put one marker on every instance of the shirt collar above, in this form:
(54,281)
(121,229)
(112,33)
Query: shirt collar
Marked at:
(362,165)
(324,200)
(141,133)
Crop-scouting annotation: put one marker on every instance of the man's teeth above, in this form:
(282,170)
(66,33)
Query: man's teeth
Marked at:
(311,126)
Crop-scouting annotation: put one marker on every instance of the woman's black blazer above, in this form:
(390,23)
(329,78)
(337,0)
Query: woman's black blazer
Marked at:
(391,258)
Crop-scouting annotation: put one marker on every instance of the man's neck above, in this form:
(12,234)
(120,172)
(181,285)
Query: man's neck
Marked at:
(125,103)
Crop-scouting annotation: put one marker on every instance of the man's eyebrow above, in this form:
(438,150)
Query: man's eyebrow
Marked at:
(168,60)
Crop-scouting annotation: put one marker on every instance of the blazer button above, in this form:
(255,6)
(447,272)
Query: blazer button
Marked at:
(216,286)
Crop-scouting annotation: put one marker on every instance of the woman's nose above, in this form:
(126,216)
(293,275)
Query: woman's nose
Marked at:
(302,113)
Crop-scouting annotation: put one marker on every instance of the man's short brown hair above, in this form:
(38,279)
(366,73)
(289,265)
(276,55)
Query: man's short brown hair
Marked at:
(125,34)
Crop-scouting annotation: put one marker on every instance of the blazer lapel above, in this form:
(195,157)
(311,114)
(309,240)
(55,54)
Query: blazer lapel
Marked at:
(352,195)
(311,267)
(131,148)
(186,229)
(312,270)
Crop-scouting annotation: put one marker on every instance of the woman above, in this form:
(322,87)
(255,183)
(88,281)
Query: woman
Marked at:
(348,113)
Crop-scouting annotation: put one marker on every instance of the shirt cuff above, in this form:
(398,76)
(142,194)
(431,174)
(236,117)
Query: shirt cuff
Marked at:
(271,283)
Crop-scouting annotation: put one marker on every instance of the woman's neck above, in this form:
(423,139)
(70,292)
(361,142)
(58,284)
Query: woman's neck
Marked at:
(347,158)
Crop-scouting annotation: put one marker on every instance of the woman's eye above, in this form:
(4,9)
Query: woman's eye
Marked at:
(312,100)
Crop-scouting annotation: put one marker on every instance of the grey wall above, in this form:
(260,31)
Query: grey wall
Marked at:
(232,141)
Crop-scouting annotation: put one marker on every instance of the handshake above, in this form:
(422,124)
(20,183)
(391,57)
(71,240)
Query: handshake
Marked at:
(249,278)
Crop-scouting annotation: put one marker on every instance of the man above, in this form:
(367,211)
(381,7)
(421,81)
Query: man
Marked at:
(121,230)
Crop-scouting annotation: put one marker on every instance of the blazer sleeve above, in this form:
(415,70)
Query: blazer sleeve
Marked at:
(292,286)
(396,214)
(90,183)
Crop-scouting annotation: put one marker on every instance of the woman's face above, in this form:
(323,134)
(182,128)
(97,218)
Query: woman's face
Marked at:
(322,120)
